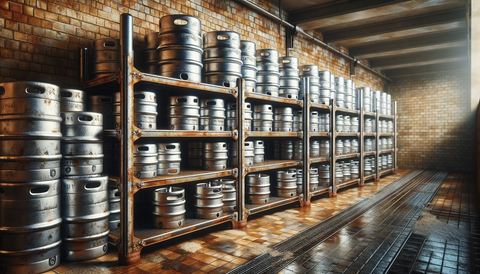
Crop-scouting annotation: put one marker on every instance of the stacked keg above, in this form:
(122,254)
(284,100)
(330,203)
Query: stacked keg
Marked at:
(390,126)
(299,181)
(212,114)
(356,103)
(105,105)
(286,183)
(150,52)
(259,152)
(389,104)
(106,57)
(389,143)
(311,71)
(354,170)
(168,207)
(29,177)
(324,148)
(338,173)
(222,58)
(283,119)
(184,112)
(383,143)
(169,158)
(339,123)
(367,94)
(325,87)
(298,149)
(324,176)
(145,109)
(389,161)
(263,118)
(339,147)
(367,169)
(114,208)
(229,193)
(286,150)
(249,157)
(349,103)
(249,65)
(347,146)
(355,124)
(368,126)
(214,156)
(72,100)
(314,121)
(347,123)
(383,103)
(340,91)
(195,155)
(289,77)
(369,144)
(324,122)
(231,121)
(298,121)
(333,87)
(258,188)
(376,97)
(354,146)
(268,75)
(384,162)
(314,148)
(145,160)
(347,176)
(314,178)
(180,47)
(208,200)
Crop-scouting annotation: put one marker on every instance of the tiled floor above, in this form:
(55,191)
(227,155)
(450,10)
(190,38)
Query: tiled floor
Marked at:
(222,250)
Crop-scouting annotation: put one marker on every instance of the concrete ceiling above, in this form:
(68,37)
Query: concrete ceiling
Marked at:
(397,37)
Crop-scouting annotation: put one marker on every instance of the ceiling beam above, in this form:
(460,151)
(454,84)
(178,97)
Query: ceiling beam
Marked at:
(418,57)
(407,23)
(408,43)
(427,69)
(334,9)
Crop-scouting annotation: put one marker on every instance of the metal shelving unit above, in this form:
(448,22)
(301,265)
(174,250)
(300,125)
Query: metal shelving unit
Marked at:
(392,151)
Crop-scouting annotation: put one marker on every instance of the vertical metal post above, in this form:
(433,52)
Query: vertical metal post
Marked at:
(377,140)
(306,139)
(127,254)
(333,137)
(362,137)
(240,112)
(395,137)
(84,65)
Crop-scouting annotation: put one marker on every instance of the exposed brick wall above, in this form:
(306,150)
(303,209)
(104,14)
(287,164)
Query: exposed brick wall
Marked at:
(436,127)
(39,39)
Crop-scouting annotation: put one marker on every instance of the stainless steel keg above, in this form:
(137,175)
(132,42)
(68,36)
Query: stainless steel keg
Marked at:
(168,205)
(229,194)
(114,208)
(339,123)
(324,148)
(297,121)
(347,176)
(214,156)
(82,143)
(105,105)
(389,104)
(389,161)
(268,75)
(259,152)
(249,65)
(106,57)
(346,123)
(145,160)
(369,144)
(314,178)
(368,125)
(354,170)
(339,147)
(184,112)
(311,71)
(72,100)
(289,77)
(347,146)
(195,155)
(151,57)
(208,201)
(314,148)
(299,181)
(145,109)
(263,118)
(367,169)
(258,188)
(325,87)
(169,158)
(389,143)
(85,217)
(354,146)
(212,114)
(324,175)
(231,121)
(367,98)
(283,119)
(314,121)
(286,150)
(338,173)
(298,149)
(355,125)
(286,183)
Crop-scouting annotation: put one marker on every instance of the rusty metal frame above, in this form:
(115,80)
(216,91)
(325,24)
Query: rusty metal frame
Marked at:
(333,137)
(306,141)
(361,141)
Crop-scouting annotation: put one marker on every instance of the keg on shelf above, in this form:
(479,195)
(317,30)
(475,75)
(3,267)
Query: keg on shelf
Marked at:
(286,150)
(333,87)
(327,122)
(298,121)
(180,47)
(349,94)
(385,126)
(311,71)
(324,148)
(299,180)
(340,91)
(82,143)
(184,112)
(145,160)
(30,132)
(383,103)
(314,148)
(259,152)
(324,175)
(72,100)
(314,121)
(257,188)
(145,109)
(268,75)
(249,65)
(389,161)
(208,201)
(231,113)
(214,156)
(338,173)
(263,118)
(314,178)
(339,123)
(195,155)
(229,194)
(106,57)
(286,183)
(298,149)
(354,148)
(389,104)
(367,94)
(389,143)
(369,144)
(169,158)
(367,166)
(105,105)
(347,124)
(30,226)
(384,162)
(347,176)
(354,170)
(222,58)
(321,122)
(250,156)
(114,208)
(289,77)
(85,215)
(356,98)
(212,114)
(150,42)
(372,163)
(354,124)
(368,125)
(376,97)
(383,143)
(168,207)
(325,87)
(347,146)
(283,119)
(339,147)
(390,126)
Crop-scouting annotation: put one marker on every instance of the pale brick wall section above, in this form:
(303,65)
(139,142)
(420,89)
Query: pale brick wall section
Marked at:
(39,39)
(436,130)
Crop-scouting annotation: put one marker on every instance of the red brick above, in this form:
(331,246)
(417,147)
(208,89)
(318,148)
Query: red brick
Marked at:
(46,25)
(15,7)
(51,16)
(34,21)
(4,4)
(27,10)
(19,36)
(64,19)
(6,14)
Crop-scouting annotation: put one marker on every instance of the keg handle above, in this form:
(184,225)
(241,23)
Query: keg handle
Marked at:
(92,185)
(109,44)
(85,118)
(36,190)
(180,22)
(223,37)
(66,94)
(35,89)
